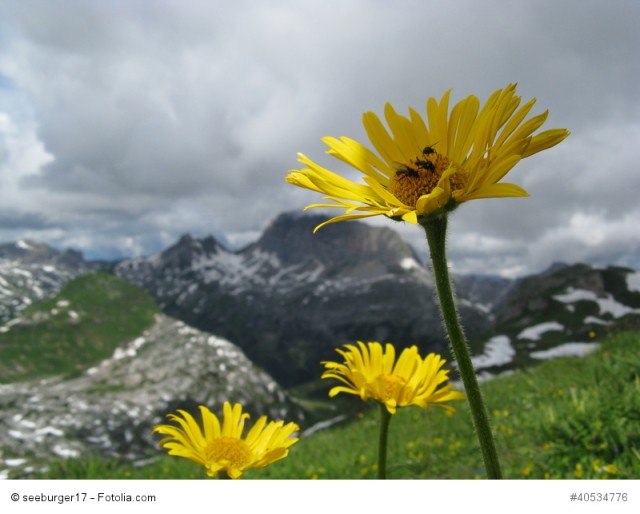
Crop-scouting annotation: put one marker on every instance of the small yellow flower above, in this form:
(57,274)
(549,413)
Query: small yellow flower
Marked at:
(221,447)
(371,372)
(423,166)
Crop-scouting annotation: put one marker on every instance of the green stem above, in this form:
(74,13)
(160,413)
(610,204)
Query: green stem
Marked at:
(436,230)
(385,417)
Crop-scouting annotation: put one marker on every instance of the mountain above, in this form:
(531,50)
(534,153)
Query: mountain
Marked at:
(292,297)
(612,293)
(31,271)
(95,387)
(483,291)
(564,310)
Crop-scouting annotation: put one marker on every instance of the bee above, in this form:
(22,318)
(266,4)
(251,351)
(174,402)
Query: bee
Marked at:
(425,165)
(428,150)
(407,172)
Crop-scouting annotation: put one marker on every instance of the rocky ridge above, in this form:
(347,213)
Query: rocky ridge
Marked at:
(111,408)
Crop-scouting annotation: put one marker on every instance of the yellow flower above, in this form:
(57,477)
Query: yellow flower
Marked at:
(423,166)
(371,372)
(223,447)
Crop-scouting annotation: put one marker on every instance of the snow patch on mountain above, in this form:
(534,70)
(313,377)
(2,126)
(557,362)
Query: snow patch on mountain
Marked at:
(498,351)
(607,303)
(409,263)
(633,282)
(565,350)
(536,331)
(596,321)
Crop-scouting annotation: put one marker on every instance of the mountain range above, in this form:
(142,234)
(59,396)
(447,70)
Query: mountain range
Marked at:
(292,297)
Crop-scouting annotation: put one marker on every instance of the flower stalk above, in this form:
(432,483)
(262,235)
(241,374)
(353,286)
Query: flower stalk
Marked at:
(436,231)
(385,418)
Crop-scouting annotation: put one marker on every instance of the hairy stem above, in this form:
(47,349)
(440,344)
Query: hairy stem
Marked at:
(436,230)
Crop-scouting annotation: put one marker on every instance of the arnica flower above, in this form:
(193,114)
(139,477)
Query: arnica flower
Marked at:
(221,447)
(430,165)
(369,371)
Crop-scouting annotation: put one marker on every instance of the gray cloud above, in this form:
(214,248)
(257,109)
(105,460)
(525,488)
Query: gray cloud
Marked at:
(169,117)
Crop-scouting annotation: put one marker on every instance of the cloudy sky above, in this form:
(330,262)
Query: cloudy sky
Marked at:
(126,123)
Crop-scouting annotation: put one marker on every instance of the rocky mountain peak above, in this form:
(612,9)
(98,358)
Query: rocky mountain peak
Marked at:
(291,238)
(189,249)
(25,251)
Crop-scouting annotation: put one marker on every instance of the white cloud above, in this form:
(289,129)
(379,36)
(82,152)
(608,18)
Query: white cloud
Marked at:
(22,155)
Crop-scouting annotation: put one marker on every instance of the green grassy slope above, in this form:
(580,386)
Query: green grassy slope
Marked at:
(77,328)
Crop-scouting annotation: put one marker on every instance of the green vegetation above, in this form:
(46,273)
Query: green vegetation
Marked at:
(83,324)
(567,418)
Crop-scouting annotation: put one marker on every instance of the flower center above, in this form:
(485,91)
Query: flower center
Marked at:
(420,176)
(390,384)
(229,452)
